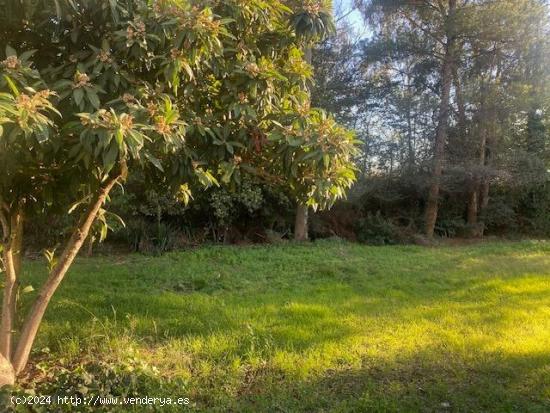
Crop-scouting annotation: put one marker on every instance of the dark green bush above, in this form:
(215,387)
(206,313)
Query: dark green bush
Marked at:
(376,230)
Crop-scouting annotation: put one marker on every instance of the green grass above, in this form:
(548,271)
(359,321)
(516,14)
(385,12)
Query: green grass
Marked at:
(324,327)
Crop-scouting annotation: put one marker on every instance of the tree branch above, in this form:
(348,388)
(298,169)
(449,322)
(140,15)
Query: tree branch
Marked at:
(423,29)
(74,244)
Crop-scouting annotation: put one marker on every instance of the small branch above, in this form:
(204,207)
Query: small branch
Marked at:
(423,29)
(342,17)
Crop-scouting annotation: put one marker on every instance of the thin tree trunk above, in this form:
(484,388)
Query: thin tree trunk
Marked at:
(483,203)
(8,303)
(480,121)
(477,188)
(460,104)
(7,375)
(410,148)
(301,225)
(441,132)
(473,198)
(11,256)
(301,219)
(7,267)
(474,193)
(12,230)
(90,247)
(34,318)
(488,140)
(18,241)
(472,207)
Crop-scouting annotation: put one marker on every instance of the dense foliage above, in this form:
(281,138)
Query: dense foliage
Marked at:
(180,96)
(381,75)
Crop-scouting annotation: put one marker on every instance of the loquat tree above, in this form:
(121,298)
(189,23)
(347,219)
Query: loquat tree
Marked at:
(193,93)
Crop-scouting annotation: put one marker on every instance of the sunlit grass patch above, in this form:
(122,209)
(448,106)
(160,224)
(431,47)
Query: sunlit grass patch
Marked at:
(327,326)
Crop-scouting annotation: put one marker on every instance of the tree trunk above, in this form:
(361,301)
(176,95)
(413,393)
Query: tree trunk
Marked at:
(77,239)
(300,225)
(476,191)
(460,104)
(472,207)
(410,147)
(441,131)
(18,241)
(487,142)
(7,374)
(473,191)
(90,247)
(12,267)
(8,303)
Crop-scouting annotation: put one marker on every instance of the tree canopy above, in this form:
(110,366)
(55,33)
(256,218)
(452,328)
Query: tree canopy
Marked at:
(194,94)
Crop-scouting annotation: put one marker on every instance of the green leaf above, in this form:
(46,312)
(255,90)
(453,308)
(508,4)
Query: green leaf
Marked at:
(50,258)
(93,98)
(78,95)
(184,194)
(27,55)
(10,51)
(188,69)
(295,141)
(12,85)
(114,12)
(119,137)
(154,161)
(229,169)
(109,157)
(206,178)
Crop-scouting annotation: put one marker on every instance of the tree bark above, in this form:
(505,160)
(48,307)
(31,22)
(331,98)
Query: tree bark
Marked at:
(441,131)
(410,147)
(487,142)
(473,198)
(90,247)
(77,239)
(8,303)
(474,193)
(7,374)
(17,243)
(460,104)
(11,256)
(472,207)
(300,225)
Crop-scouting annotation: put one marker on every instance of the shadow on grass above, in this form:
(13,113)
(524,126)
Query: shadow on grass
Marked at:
(495,383)
(434,329)
(308,316)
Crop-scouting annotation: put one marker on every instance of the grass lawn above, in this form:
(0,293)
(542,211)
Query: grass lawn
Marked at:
(323,327)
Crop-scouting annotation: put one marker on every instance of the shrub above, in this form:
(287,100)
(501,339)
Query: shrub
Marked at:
(377,230)
(99,379)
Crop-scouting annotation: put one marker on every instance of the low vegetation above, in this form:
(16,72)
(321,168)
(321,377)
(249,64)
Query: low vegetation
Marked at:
(327,326)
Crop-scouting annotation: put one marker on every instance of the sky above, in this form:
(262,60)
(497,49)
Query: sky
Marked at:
(344,7)
(355,16)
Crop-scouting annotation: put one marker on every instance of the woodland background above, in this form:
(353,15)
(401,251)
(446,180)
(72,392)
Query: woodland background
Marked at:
(470,97)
